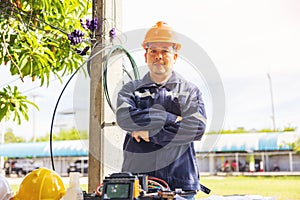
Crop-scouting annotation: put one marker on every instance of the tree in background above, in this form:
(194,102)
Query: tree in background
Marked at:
(295,145)
(9,137)
(69,134)
(38,39)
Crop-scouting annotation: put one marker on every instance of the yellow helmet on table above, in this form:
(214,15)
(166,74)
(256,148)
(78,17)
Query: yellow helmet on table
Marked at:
(41,184)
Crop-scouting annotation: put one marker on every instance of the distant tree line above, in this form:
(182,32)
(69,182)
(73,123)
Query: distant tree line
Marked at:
(240,130)
(71,134)
(74,134)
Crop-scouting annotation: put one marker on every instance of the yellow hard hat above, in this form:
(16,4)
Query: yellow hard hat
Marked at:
(41,184)
(161,32)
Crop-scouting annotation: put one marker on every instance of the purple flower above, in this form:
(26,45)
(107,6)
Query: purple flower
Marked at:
(113,33)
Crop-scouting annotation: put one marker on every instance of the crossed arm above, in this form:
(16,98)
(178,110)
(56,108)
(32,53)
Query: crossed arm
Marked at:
(156,125)
(138,135)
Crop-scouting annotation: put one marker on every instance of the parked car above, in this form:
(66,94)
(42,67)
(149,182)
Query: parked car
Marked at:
(77,166)
(19,166)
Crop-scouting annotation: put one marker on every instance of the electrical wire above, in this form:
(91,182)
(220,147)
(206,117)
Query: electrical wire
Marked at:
(25,14)
(17,79)
(13,9)
(57,102)
(37,70)
(9,82)
(112,50)
(8,9)
(99,190)
(126,72)
(36,87)
(166,185)
(105,83)
(19,11)
(155,185)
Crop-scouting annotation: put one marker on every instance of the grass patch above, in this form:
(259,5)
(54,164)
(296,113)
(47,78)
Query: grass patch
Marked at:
(280,187)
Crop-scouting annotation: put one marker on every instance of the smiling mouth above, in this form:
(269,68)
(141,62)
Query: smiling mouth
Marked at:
(158,63)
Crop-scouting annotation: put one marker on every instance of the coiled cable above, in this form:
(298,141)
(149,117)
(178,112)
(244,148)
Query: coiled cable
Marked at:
(112,50)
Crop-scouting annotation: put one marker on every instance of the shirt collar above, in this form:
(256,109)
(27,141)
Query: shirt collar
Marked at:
(147,82)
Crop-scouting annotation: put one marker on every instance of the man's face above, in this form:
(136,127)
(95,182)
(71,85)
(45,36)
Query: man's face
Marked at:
(160,57)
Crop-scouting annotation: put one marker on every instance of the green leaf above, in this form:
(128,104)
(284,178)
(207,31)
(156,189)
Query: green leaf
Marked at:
(3,112)
(23,60)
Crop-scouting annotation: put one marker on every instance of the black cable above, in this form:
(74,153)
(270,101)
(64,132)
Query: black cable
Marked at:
(126,72)
(53,116)
(112,50)
(57,102)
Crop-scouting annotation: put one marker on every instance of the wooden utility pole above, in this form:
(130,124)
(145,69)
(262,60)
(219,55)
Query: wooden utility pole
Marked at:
(108,13)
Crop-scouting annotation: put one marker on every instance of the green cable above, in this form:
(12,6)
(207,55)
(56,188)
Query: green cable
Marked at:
(133,64)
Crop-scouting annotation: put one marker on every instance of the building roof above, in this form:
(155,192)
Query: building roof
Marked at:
(42,149)
(247,142)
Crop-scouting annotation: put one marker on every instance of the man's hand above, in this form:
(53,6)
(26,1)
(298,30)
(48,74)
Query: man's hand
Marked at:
(138,135)
(178,119)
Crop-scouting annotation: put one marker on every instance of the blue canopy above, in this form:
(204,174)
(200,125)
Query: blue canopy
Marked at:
(42,149)
(247,142)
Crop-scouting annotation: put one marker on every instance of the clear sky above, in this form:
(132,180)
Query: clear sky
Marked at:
(245,39)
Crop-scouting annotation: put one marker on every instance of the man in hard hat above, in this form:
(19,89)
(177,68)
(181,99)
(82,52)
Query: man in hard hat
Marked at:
(163,114)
